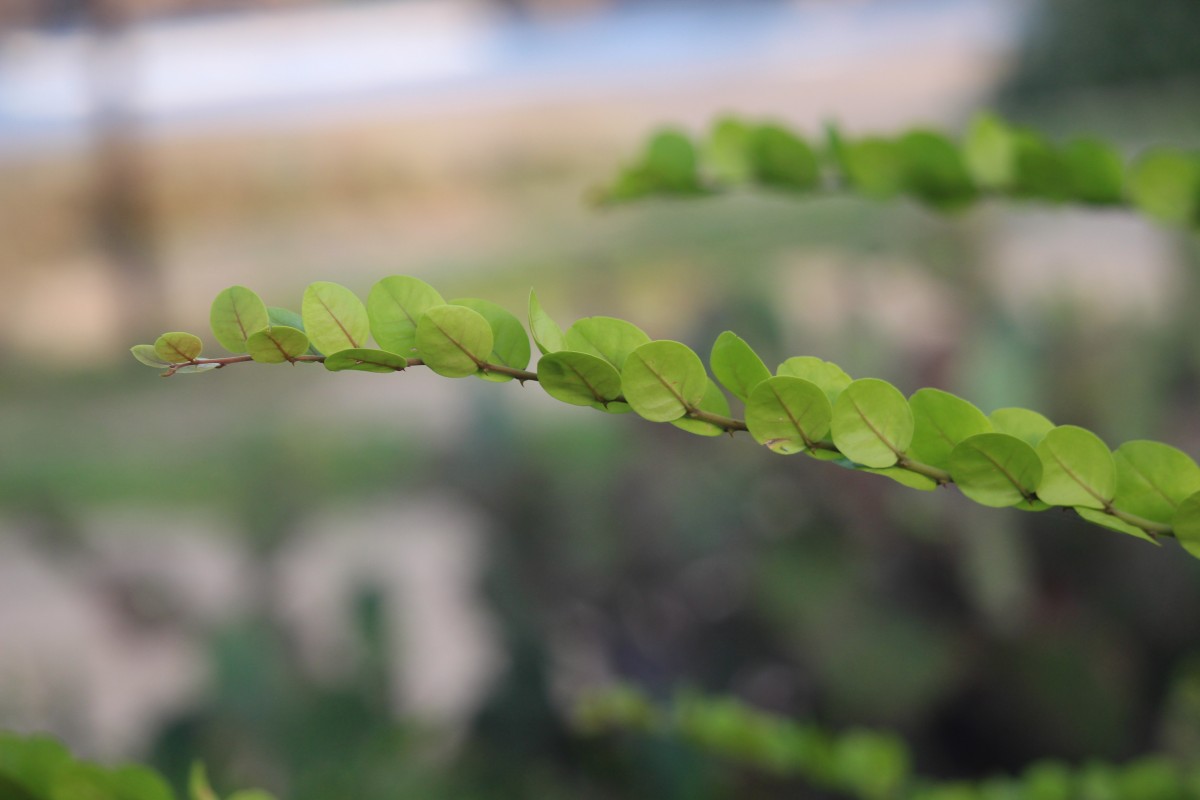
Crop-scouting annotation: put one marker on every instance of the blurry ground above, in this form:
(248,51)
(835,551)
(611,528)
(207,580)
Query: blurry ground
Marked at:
(289,572)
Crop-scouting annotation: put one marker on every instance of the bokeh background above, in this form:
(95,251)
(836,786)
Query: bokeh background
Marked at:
(362,586)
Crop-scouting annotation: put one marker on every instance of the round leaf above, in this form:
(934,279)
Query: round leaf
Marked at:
(277,344)
(146,354)
(580,379)
(546,334)
(934,170)
(1096,172)
(178,347)
(1022,423)
(1153,479)
(989,152)
(663,380)
(736,365)
(1098,517)
(728,150)
(1166,185)
(1077,468)
(510,343)
(334,318)
(996,469)
(942,420)
(236,313)
(394,306)
(1187,524)
(609,338)
(788,414)
(875,167)
(365,360)
(453,340)
(872,423)
(782,159)
(671,162)
(825,374)
(714,402)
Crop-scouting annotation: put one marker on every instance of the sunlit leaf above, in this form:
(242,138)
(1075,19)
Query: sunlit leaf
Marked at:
(788,414)
(872,423)
(334,318)
(942,420)
(607,337)
(510,343)
(178,347)
(453,340)
(394,306)
(825,374)
(277,344)
(547,335)
(1077,468)
(996,469)
(663,380)
(236,313)
(365,359)
(581,379)
(714,402)
(736,365)
(1153,479)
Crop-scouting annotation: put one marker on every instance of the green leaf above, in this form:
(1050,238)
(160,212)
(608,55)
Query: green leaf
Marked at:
(1022,423)
(146,354)
(366,360)
(989,152)
(788,414)
(33,762)
(671,162)
(277,344)
(942,420)
(729,151)
(1153,479)
(236,313)
(1077,468)
(663,380)
(251,794)
(736,365)
(190,368)
(1166,185)
(1041,171)
(1187,524)
(609,338)
(934,171)
(394,306)
(872,423)
(782,159)
(1098,517)
(875,167)
(510,343)
(453,340)
(284,316)
(198,785)
(334,318)
(178,347)
(581,380)
(546,334)
(714,402)
(905,477)
(996,469)
(825,374)
(1095,171)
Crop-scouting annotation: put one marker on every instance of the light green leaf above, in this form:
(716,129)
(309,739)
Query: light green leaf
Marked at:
(729,150)
(236,313)
(942,420)
(905,477)
(736,365)
(1077,468)
(453,340)
(366,360)
(190,368)
(334,318)
(251,794)
(996,469)
(546,334)
(277,344)
(137,783)
(825,374)
(198,786)
(580,379)
(1153,479)
(1022,423)
(663,380)
(178,347)
(1098,517)
(714,402)
(33,762)
(510,343)
(788,414)
(607,337)
(671,162)
(1166,184)
(872,423)
(394,306)
(782,159)
(146,354)
(284,316)
(989,152)
(1095,170)
(875,167)
(1187,524)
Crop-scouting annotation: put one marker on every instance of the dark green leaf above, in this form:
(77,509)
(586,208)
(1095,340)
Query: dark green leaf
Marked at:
(788,414)
(736,365)
(453,341)
(663,380)
(581,379)
(1077,468)
(546,334)
(366,360)
(872,423)
(942,420)
(236,313)
(934,171)
(394,306)
(782,159)
(996,469)
(334,318)
(277,344)
(1095,171)
(178,347)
